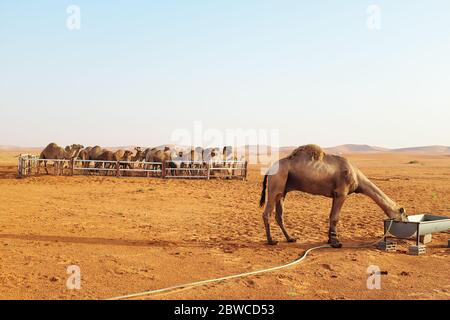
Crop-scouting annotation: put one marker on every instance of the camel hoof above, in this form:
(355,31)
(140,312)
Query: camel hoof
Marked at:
(335,243)
(292,240)
(272,242)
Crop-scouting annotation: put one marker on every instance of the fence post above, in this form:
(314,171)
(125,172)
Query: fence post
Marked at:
(208,167)
(72,165)
(163,169)
(27,167)
(117,169)
(245,170)
(19,169)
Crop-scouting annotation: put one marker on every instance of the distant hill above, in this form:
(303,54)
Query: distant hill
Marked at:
(17,148)
(344,149)
(355,148)
(8,148)
(425,150)
(364,148)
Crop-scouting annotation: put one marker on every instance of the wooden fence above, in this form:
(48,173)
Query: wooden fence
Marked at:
(30,165)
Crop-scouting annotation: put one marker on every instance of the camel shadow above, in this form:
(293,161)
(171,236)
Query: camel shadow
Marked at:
(164,243)
(124,242)
(85,240)
(8,172)
(156,243)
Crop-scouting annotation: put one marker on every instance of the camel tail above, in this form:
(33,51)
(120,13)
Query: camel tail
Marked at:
(262,201)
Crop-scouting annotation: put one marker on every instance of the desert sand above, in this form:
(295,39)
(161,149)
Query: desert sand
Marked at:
(129,235)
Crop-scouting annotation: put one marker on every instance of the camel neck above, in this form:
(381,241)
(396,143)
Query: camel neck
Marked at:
(72,153)
(368,188)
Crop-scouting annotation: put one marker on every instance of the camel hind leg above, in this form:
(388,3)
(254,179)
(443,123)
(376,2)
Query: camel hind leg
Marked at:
(279,218)
(275,192)
(266,217)
(38,167)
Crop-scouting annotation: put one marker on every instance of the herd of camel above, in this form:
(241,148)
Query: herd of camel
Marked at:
(172,157)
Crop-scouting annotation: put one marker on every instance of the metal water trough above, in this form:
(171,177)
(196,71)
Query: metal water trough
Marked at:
(420,226)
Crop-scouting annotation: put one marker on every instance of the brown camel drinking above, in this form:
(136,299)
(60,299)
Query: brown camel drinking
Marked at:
(310,170)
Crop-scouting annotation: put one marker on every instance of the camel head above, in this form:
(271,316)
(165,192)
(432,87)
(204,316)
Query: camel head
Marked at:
(76,147)
(127,155)
(139,153)
(72,151)
(398,214)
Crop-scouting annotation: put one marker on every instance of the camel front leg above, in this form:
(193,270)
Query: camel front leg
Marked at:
(266,218)
(333,240)
(45,167)
(279,218)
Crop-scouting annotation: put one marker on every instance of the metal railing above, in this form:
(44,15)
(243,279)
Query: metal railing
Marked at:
(31,165)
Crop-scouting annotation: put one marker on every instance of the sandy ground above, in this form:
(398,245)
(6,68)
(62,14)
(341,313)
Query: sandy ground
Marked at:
(130,235)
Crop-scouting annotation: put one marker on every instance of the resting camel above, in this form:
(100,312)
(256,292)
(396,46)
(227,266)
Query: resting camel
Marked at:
(310,170)
(55,152)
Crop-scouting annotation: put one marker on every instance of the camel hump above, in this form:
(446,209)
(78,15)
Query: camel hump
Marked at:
(312,150)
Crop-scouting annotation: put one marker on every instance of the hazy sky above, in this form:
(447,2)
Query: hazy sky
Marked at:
(138,70)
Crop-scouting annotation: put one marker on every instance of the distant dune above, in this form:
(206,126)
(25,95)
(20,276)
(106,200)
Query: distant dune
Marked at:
(9,148)
(355,148)
(360,148)
(18,148)
(364,148)
(425,150)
